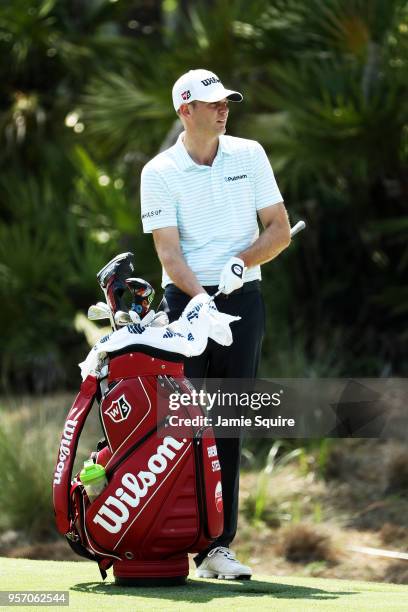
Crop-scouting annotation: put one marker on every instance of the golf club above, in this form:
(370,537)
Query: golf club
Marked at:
(111,279)
(122,318)
(298,227)
(142,295)
(98,311)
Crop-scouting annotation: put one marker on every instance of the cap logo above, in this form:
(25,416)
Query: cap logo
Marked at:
(186,94)
(210,81)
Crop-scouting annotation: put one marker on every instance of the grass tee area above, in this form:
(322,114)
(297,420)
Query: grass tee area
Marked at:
(88,592)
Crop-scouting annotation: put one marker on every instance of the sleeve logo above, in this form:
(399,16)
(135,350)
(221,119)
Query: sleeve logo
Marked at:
(152,213)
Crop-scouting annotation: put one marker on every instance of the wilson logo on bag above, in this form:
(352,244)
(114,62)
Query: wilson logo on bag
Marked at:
(115,511)
(65,448)
(119,410)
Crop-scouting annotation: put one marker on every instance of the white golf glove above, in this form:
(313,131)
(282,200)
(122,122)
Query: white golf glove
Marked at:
(232,275)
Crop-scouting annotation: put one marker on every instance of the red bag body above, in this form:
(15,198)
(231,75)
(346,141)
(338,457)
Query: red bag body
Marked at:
(164,496)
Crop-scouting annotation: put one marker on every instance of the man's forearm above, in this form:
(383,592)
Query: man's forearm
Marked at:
(272,241)
(180,273)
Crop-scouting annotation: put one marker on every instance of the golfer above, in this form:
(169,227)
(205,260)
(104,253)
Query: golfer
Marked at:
(201,199)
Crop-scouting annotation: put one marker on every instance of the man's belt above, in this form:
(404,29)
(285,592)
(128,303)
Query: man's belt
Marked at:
(248,287)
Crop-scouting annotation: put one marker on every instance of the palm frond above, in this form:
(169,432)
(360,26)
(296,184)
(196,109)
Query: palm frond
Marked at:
(119,116)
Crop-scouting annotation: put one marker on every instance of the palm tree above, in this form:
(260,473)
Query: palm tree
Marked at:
(48,255)
(337,115)
(87,102)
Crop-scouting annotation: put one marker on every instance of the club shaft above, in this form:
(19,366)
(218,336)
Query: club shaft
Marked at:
(111,315)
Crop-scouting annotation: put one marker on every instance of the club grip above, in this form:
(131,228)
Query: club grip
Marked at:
(298,227)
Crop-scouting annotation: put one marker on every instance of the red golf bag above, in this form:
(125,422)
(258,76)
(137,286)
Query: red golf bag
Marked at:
(163,498)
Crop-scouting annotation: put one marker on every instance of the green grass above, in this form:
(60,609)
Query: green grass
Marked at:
(88,592)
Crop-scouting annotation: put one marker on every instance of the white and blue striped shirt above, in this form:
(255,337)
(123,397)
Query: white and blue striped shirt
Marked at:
(214,207)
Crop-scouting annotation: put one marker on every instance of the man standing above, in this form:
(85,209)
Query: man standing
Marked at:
(200,198)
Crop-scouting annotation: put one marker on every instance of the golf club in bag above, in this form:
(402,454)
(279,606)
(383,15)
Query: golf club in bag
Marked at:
(163,497)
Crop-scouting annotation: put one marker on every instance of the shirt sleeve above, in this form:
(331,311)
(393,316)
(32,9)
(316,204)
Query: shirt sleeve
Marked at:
(158,206)
(266,189)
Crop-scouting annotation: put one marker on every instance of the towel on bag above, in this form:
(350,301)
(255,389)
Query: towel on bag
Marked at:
(189,335)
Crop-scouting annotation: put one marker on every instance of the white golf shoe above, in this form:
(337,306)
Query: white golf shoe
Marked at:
(221,563)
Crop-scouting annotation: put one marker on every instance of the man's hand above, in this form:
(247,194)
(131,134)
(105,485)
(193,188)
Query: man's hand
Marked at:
(232,275)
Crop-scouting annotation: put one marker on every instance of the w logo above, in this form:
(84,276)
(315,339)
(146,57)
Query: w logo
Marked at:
(119,410)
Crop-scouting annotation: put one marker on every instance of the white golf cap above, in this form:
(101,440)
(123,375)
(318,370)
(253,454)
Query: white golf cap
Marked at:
(201,85)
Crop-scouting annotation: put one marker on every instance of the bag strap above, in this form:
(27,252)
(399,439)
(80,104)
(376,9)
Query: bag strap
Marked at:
(73,426)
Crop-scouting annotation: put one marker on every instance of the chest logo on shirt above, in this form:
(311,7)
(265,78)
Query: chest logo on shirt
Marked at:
(238,177)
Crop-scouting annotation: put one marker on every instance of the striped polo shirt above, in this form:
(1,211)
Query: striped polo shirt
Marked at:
(214,207)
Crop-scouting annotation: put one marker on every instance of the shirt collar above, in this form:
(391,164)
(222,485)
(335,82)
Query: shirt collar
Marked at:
(224,146)
(184,160)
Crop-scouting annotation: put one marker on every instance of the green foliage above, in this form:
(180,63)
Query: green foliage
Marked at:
(30,430)
(47,266)
(59,222)
(32,255)
(99,202)
(25,501)
(337,118)
(122,116)
(260,506)
(86,102)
